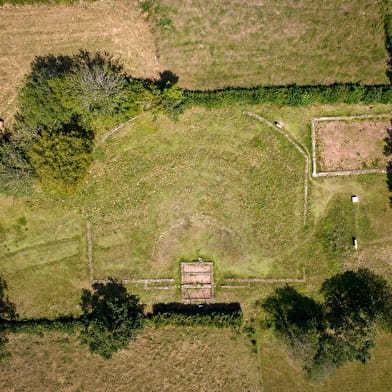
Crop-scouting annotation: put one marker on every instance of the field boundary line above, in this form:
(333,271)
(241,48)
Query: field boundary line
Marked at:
(117,128)
(316,120)
(90,251)
(298,148)
(266,280)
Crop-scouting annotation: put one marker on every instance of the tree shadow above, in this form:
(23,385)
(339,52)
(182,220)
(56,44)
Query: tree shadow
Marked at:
(388,44)
(7,313)
(388,153)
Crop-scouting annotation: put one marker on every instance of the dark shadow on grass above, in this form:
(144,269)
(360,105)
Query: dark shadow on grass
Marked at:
(216,314)
(388,153)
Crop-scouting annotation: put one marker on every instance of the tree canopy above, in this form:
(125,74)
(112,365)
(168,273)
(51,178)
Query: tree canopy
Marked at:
(86,91)
(324,335)
(111,318)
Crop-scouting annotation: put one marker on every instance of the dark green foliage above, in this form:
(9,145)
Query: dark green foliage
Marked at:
(111,319)
(336,230)
(61,158)
(324,336)
(7,312)
(217,315)
(356,299)
(298,320)
(291,95)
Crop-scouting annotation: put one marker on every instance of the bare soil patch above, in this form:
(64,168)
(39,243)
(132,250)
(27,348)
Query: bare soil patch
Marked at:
(351,145)
(30,30)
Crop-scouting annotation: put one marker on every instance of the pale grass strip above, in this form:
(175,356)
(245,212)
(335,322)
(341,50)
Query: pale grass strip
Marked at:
(90,251)
(299,149)
(112,131)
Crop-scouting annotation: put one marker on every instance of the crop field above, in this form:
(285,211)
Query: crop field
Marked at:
(349,145)
(169,359)
(28,31)
(248,42)
(281,373)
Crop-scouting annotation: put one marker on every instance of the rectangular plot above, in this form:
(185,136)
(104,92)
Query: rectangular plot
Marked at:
(343,145)
(197,293)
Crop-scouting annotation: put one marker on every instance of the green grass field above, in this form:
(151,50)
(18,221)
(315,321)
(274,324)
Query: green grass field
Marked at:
(208,185)
(247,43)
(216,184)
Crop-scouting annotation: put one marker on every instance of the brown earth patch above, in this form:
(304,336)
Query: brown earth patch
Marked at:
(351,145)
(30,30)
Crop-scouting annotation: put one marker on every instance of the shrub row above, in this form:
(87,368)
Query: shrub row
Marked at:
(291,95)
(177,314)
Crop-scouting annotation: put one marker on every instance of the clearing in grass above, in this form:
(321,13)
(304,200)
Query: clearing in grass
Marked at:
(351,145)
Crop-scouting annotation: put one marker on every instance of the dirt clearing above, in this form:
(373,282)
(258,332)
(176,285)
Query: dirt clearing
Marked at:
(351,145)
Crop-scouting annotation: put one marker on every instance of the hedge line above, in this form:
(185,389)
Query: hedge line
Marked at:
(218,315)
(292,95)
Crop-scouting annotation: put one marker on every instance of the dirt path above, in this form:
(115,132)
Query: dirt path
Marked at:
(298,148)
(115,129)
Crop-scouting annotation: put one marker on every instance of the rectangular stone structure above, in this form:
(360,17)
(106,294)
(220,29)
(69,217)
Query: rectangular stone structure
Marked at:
(197,281)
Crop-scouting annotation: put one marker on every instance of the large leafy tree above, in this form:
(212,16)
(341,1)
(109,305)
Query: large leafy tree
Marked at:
(112,317)
(61,158)
(325,335)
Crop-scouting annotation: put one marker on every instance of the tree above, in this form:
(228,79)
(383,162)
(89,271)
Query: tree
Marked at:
(297,319)
(355,300)
(7,312)
(111,318)
(324,336)
(61,158)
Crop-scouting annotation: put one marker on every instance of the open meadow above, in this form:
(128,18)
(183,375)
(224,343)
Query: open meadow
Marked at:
(248,43)
(166,359)
(35,30)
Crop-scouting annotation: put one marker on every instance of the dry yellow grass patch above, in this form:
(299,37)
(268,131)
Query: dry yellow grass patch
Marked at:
(28,31)
(166,359)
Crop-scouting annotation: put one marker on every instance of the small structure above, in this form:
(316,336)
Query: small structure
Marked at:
(354,198)
(355,243)
(197,281)
(278,124)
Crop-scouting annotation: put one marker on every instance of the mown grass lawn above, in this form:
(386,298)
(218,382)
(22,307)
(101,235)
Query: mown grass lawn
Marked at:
(248,43)
(215,184)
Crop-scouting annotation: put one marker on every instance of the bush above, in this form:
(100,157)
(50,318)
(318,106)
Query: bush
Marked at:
(291,95)
(61,158)
(216,315)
